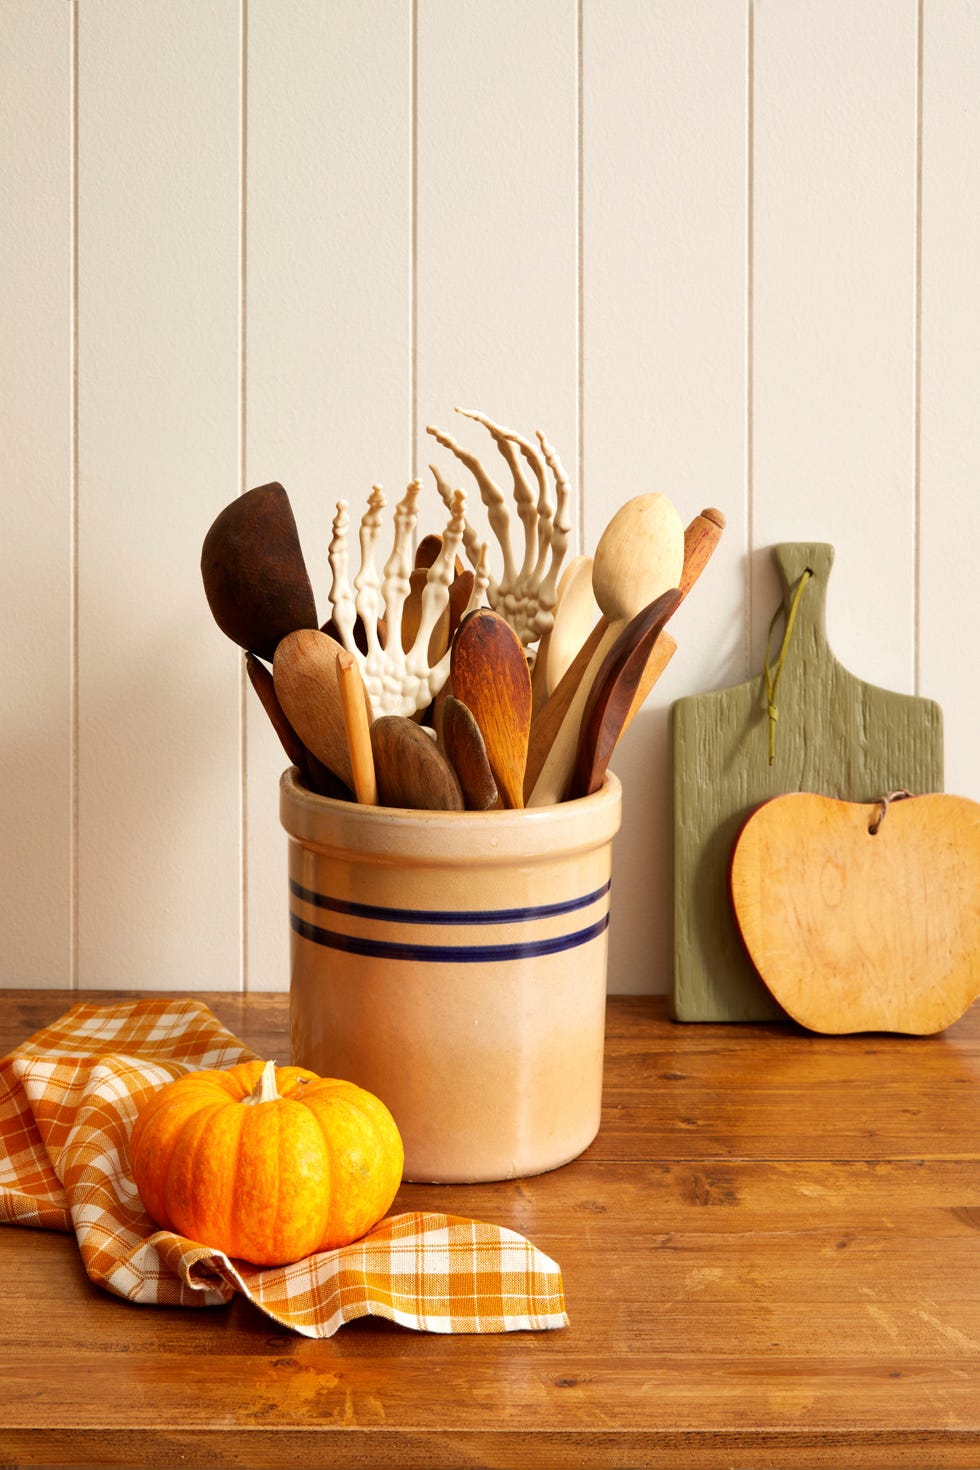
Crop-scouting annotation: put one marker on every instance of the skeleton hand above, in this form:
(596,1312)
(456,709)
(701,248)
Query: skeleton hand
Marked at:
(524,594)
(398,681)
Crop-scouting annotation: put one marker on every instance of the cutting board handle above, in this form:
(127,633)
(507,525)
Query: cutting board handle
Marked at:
(792,559)
(838,736)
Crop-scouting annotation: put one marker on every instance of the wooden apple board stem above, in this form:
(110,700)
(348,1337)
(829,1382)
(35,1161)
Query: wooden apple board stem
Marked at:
(838,736)
(863,917)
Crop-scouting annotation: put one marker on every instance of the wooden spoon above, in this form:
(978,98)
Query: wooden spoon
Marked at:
(465,748)
(357,723)
(639,555)
(411,770)
(313,773)
(490,674)
(304,672)
(260,678)
(576,615)
(700,540)
(255,578)
(608,705)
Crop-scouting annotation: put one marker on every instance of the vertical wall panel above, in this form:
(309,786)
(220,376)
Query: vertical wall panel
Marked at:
(950,379)
(497,229)
(158,428)
(547,211)
(834,202)
(35,502)
(664,271)
(328,361)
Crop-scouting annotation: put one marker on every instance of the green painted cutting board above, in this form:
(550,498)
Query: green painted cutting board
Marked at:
(835,736)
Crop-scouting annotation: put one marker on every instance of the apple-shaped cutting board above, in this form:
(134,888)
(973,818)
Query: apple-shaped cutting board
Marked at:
(836,736)
(863,918)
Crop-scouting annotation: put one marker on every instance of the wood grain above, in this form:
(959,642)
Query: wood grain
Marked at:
(752,1279)
(357,723)
(490,675)
(836,735)
(610,700)
(410,768)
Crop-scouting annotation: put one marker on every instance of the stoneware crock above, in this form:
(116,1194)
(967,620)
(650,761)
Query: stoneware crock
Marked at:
(454,963)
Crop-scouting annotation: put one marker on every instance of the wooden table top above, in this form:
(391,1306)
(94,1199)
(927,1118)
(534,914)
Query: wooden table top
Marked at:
(771,1257)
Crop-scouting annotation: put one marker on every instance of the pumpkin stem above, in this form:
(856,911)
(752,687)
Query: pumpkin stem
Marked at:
(265,1089)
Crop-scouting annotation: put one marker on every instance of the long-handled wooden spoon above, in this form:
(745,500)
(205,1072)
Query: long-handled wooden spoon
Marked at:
(462,740)
(576,615)
(314,773)
(260,678)
(700,539)
(411,770)
(489,672)
(608,705)
(304,672)
(639,555)
(253,570)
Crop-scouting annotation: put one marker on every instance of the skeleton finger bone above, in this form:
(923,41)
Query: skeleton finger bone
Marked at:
(525,595)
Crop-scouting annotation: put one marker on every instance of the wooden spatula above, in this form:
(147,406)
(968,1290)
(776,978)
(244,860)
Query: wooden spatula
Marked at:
(701,537)
(411,771)
(465,748)
(490,674)
(608,706)
(863,917)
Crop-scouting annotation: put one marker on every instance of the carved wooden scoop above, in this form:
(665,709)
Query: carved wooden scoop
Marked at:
(255,577)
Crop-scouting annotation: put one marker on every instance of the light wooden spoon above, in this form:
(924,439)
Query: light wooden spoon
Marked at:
(700,539)
(304,672)
(410,768)
(639,555)
(576,614)
(489,673)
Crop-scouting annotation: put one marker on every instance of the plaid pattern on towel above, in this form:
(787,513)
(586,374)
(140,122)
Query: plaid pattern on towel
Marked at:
(68,1098)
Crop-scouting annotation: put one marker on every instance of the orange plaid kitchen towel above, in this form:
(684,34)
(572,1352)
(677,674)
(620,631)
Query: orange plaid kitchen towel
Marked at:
(68,1099)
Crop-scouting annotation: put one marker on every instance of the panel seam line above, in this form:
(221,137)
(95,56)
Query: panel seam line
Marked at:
(74,839)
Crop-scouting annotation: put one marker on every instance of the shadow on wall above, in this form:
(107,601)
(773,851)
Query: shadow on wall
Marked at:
(640,930)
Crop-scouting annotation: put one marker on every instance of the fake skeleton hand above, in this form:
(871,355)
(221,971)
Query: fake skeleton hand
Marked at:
(398,681)
(524,594)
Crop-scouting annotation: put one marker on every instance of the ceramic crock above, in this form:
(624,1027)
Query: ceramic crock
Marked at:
(454,964)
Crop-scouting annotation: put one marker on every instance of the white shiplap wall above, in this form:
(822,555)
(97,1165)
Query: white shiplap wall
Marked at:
(723,248)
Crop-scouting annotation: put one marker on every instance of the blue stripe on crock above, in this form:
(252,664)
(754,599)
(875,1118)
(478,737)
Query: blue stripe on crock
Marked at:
(445,953)
(443,916)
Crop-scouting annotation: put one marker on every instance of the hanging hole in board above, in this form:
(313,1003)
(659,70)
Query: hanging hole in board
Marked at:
(883,806)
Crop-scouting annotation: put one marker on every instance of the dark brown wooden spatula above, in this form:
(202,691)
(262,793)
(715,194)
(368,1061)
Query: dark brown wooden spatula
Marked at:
(254,574)
(611,697)
(462,740)
(490,674)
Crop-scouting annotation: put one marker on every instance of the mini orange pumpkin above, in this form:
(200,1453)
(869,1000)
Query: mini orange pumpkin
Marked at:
(268,1164)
